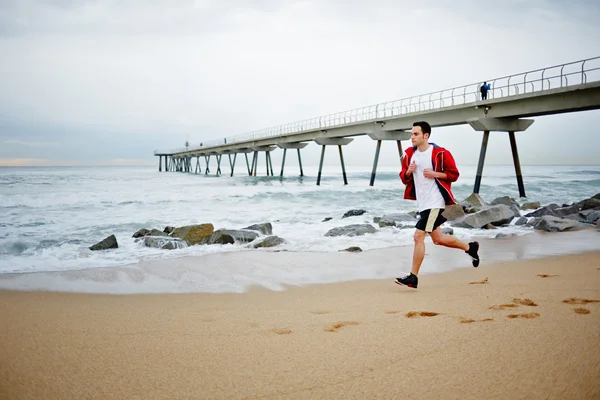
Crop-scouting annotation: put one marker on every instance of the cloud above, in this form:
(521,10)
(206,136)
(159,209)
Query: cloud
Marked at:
(28,143)
(119,79)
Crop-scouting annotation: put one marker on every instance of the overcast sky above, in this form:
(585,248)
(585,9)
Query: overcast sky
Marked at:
(108,82)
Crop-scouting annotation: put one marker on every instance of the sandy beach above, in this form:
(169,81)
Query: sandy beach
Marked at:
(519,329)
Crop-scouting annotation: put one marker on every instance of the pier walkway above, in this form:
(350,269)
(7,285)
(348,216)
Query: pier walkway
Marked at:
(511,103)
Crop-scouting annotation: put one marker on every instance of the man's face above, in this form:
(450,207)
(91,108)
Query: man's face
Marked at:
(417,137)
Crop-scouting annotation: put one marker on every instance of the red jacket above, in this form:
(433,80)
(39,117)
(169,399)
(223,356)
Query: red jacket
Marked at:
(442,161)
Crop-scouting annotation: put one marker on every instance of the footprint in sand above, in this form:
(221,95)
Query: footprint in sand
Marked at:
(482,282)
(582,311)
(524,302)
(546,276)
(503,306)
(524,315)
(336,327)
(280,331)
(320,312)
(464,320)
(414,314)
(577,300)
(393,312)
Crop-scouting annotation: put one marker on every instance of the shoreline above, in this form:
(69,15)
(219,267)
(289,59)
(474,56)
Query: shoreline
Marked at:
(236,271)
(470,333)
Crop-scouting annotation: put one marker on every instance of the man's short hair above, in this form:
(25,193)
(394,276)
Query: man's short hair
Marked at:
(425,127)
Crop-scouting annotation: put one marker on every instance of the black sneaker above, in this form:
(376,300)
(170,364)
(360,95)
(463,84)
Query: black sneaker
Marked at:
(472,252)
(409,280)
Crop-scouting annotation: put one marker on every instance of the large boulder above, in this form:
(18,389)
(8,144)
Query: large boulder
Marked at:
(164,242)
(351,230)
(231,236)
(506,200)
(474,200)
(393,219)
(568,210)
(592,217)
(453,212)
(108,243)
(269,241)
(589,204)
(265,228)
(194,234)
(495,215)
(549,223)
(546,210)
(353,213)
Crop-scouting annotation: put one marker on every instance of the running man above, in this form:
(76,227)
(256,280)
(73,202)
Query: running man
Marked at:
(428,170)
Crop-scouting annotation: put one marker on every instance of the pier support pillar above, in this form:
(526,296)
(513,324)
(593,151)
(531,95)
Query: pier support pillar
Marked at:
(232,164)
(207,169)
(269,164)
(379,135)
(218,157)
(510,125)
(332,142)
(159,163)
(296,146)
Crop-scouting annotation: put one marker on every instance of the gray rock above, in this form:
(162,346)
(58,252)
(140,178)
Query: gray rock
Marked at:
(503,235)
(593,216)
(230,236)
(454,212)
(353,249)
(531,205)
(141,233)
(495,215)
(149,232)
(352,230)
(168,229)
(506,200)
(516,211)
(588,204)
(108,243)
(353,213)
(474,200)
(269,241)
(394,219)
(521,221)
(549,223)
(448,231)
(265,228)
(546,210)
(564,211)
(327,219)
(164,242)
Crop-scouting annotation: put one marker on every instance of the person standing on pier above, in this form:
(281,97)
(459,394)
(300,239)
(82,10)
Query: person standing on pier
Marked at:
(484,90)
(428,171)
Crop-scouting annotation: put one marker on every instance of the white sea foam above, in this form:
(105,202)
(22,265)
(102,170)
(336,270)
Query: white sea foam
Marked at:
(50,216)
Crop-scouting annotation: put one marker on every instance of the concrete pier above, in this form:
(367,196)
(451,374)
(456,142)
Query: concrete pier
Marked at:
(557,89)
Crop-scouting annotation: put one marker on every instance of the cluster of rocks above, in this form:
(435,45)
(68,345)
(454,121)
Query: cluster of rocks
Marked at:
(190,235)
(475,213)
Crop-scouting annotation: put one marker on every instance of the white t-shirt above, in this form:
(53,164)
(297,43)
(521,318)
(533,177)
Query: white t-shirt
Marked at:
(428,193)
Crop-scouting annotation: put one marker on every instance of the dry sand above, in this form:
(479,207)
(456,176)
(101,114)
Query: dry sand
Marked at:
(495,332)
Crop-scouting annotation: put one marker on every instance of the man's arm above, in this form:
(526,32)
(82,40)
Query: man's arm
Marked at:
(405,175)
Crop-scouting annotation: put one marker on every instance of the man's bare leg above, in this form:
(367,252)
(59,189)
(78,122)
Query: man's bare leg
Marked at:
(442,239)
(419,251)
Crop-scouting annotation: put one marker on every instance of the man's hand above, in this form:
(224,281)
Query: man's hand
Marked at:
(429,173)
(411,168)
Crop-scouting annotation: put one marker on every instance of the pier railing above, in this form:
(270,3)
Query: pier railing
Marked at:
(557,76)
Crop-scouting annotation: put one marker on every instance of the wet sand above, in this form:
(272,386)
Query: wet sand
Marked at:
(518,329)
